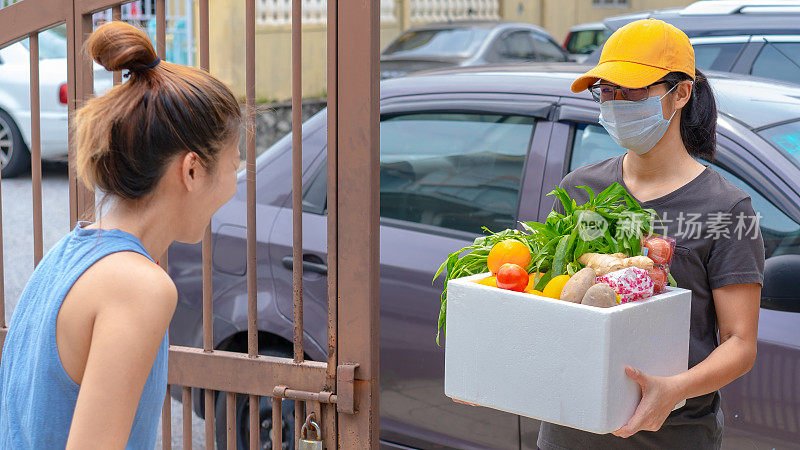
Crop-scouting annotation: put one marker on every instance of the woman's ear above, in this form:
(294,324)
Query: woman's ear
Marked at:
(683,92)
(189,165)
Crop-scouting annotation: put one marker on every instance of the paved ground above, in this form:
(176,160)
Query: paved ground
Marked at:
(17,211)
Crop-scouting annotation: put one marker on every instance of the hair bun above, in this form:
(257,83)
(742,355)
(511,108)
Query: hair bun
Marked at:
(118,45)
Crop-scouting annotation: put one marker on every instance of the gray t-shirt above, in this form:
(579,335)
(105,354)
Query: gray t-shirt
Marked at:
(718,243)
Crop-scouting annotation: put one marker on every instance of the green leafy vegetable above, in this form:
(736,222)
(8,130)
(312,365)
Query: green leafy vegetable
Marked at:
(611,221)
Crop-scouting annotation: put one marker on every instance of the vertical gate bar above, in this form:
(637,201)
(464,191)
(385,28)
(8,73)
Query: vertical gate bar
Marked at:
(116,14)
(84,88)
(203,27)
(36,148)
(255,422)
(71,106)
(250,156)
(187,417)
(299,418)
(208,305)
(277,424)
(333,230)
(358,200)
(297,181)
(166,422)
(209,398)
(230,424)
(252,260)
(2,277)
(161,29)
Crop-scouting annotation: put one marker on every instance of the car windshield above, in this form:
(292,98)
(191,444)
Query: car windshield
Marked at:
(52,43)
(785,137)
(437,43)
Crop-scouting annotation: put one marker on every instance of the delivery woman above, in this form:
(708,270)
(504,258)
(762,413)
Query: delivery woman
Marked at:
(655,104)
(85,359)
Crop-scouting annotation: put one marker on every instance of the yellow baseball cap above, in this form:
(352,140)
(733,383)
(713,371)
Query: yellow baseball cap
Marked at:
(639,54)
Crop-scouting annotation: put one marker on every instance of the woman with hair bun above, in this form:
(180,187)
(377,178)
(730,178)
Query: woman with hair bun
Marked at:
(84,364)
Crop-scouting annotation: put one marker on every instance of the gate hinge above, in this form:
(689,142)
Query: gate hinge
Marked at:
(344,398)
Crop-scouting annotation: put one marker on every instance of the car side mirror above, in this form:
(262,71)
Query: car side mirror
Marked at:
(781,290)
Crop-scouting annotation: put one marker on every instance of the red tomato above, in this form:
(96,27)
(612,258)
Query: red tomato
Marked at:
(659,250)
(659,277)
(512,277)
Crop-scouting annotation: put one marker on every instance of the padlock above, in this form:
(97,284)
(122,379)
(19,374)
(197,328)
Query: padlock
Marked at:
(310,444)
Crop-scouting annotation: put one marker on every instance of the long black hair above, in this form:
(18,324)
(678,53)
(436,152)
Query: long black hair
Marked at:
(698,116)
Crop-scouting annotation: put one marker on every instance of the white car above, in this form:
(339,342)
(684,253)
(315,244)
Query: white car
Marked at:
(15,110)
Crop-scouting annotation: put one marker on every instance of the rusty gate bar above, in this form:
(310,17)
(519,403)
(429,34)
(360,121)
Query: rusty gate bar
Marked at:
(82,198)
(207,248)
(186,400)
(277,431)
(297,179)
(166,421)
(252,257)
(116,14)
(332,188)
(297,199)
(230,422)
(36,148)
(358,244)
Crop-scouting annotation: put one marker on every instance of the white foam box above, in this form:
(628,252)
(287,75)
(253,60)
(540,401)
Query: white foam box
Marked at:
(558,361)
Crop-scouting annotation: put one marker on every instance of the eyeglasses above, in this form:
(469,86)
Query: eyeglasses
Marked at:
(605,92)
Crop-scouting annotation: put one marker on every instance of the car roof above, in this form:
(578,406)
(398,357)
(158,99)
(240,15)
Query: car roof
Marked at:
(484,24)
(588,26)
(720,17)
(749,100)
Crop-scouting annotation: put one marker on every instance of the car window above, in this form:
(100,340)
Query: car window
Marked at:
(516,46)
(781,234)
(456,171)
(585,41)
(545,49)
(592,144)
(785,137)
(452,41)
(778,60)
(716,56)
(52,43)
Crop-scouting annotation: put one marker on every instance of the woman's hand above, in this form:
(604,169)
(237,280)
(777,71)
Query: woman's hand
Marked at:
(659,397)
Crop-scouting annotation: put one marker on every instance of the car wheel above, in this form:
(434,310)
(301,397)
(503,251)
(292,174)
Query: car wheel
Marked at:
(265,416)
(15,157)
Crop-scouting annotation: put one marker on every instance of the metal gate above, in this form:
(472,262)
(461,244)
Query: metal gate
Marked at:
(343,391)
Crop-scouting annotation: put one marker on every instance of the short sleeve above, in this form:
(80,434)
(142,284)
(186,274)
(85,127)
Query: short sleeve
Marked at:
(737,251)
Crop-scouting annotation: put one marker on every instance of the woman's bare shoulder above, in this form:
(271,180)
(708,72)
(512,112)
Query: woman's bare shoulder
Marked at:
(129,280)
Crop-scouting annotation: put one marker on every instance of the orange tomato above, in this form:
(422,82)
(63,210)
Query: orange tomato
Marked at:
(512,277)
(508,251)
(488,281)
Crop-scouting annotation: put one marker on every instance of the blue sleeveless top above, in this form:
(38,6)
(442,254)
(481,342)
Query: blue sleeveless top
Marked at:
(37,397)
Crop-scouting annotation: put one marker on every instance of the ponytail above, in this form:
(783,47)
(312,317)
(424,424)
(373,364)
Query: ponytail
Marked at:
(698,116)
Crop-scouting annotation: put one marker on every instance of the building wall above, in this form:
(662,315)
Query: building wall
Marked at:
(273,33)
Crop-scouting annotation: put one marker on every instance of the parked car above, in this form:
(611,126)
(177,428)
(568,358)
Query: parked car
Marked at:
(15,103)
(473,43)
(761,39)
(582,40)
(461,149)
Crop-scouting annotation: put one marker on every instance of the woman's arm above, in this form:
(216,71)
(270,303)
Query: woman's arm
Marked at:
(138,302)
(737,307)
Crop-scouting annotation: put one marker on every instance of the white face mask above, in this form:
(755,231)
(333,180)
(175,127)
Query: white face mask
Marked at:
(637,126)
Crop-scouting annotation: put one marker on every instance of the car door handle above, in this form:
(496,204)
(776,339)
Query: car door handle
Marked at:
(310,266)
